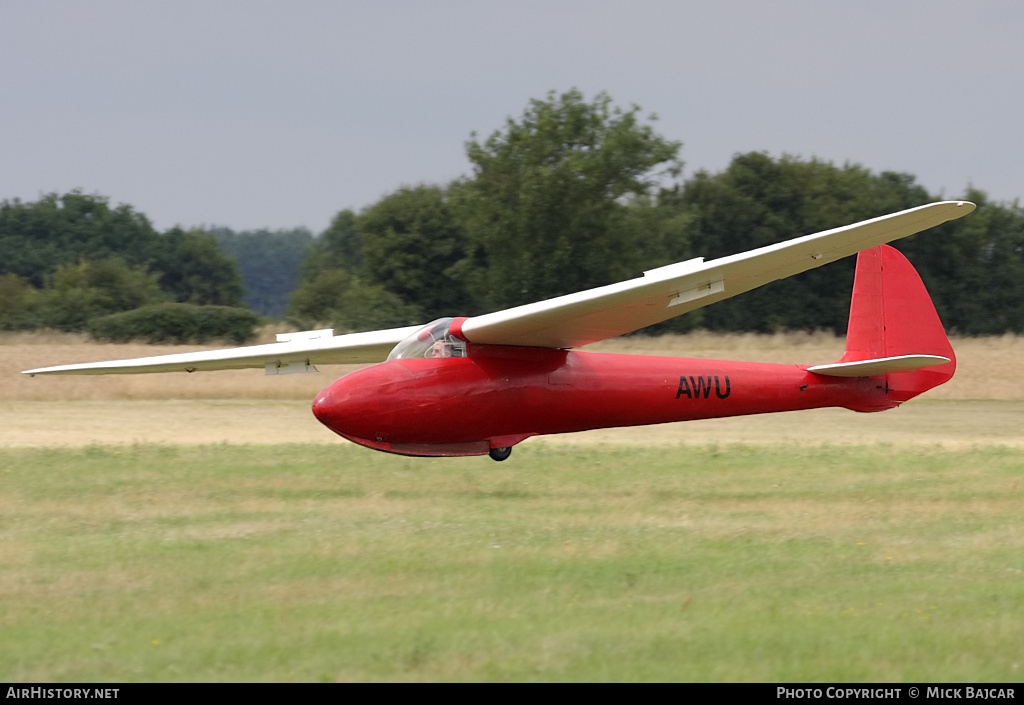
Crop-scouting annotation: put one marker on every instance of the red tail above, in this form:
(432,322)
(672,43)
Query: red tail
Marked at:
(891,314)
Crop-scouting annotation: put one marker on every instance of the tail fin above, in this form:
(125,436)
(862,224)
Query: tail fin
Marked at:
(893,327)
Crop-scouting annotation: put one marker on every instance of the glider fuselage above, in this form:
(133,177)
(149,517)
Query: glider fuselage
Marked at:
(499,395)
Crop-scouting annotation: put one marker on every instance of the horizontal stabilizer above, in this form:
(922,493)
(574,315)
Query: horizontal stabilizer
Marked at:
(879,366)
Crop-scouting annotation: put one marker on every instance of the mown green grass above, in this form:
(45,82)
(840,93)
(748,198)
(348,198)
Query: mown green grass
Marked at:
(731,563)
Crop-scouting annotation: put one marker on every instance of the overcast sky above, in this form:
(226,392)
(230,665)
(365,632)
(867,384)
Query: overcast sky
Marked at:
(256,114)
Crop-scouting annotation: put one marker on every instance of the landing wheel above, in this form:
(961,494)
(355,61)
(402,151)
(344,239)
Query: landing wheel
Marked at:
(499,454)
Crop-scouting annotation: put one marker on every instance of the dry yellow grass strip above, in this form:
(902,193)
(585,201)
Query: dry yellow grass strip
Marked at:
(983,404)
(170,421)
(988,368)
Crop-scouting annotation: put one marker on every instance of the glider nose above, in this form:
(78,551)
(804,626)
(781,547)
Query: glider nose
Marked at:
(348,405)
(324,405)
(332,407)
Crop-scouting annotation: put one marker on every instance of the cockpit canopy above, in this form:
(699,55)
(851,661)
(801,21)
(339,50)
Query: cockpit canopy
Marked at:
(432,340)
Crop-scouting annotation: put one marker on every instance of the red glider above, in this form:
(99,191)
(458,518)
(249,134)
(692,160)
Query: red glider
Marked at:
(480,385)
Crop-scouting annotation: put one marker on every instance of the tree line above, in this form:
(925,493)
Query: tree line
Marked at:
(572,194)
(576,194)
(74,263)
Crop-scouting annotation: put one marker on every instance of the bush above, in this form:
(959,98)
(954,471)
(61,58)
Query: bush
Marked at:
(176,323)
(78,293)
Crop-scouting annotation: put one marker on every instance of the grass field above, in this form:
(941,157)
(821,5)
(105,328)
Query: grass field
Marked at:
(808,552)
(730,563)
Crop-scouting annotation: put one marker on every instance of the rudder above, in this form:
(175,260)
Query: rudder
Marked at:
(891,314)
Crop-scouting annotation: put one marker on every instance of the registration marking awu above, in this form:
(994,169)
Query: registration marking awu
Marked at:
(700,387)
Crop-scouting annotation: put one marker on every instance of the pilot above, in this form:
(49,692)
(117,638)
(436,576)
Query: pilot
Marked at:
(440,349)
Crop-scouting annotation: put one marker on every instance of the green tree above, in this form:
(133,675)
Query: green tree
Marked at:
(194,270)
(547,205)
(19,303)
(339,247)
(411,240)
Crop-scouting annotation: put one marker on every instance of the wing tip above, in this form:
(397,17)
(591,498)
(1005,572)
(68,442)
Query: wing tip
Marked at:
(961,208)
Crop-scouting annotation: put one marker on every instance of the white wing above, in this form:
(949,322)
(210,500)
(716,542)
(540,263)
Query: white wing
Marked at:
(573,320)
(588,316)
(297,354)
